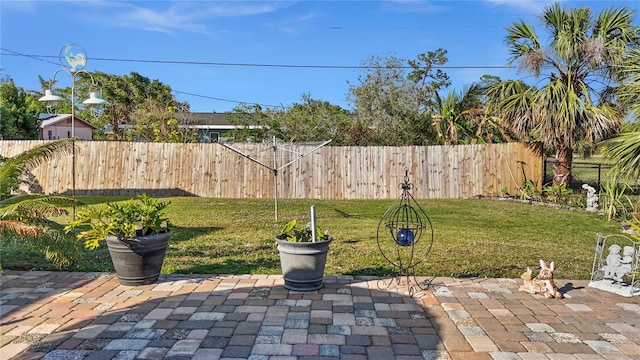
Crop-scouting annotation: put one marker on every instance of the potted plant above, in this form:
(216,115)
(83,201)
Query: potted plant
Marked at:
(136,232)
(303,255)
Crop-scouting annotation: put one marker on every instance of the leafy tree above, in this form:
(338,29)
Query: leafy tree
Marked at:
(385,100)
(396,105)
(143,106)
(581,68)
(429,79)
(255,123)
(156,122)
(18,112)
(315,120)
(308,121)
(23,218)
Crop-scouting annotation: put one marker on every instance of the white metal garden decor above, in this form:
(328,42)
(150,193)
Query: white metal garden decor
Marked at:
(615,265)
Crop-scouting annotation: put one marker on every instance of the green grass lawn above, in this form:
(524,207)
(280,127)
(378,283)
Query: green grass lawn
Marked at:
(478,237)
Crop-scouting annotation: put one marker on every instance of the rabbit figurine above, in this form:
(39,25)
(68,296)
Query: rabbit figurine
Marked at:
(542,284)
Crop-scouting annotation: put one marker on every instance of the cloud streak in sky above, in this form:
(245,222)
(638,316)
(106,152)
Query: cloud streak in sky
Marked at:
(175,16)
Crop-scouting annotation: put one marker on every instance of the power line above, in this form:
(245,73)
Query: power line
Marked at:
(220,99)
(45,58)
(293,66)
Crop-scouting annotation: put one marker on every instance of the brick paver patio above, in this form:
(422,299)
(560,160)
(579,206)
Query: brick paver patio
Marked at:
(64,315)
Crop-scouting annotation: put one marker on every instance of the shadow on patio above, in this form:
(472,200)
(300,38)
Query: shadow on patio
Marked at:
(55,315)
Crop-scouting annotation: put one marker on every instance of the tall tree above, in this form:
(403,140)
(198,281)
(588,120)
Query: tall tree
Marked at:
(581,68)
(428,78)
(136,103)
(18,112)
(385,100)
(395,97)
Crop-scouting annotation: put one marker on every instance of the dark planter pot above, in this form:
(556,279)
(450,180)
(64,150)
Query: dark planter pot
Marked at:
(138,260)
(303,263)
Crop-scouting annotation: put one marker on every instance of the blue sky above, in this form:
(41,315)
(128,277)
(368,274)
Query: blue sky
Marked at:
(217,54)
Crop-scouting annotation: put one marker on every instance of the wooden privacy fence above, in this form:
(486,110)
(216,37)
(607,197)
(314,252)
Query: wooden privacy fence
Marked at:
(338,172)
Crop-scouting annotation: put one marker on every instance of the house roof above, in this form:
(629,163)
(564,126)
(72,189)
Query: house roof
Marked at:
(52,119)
(207,120)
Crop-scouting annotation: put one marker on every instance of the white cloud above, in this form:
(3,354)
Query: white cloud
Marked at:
(170,17)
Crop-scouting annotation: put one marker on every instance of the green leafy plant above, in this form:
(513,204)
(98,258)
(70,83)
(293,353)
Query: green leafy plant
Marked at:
(291,232)
(529,191)
(140,216)
(613,198)
(557,193)
(635,223)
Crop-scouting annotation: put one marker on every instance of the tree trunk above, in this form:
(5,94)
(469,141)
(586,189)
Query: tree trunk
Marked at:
(562,171)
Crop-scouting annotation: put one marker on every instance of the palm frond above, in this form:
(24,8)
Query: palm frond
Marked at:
(34,206)
(55,246)
(624,150)
(12,168)
(521,39)
(16,228)
(616,23)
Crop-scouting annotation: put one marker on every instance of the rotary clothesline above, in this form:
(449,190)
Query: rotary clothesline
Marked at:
(275,168)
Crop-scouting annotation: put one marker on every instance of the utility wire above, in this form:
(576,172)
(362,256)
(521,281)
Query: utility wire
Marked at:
(294,66)
(220,99)
(42,58)
(45,58)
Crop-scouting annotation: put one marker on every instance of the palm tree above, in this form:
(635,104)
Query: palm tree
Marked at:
(581,67)
(23,218)
(453,114)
